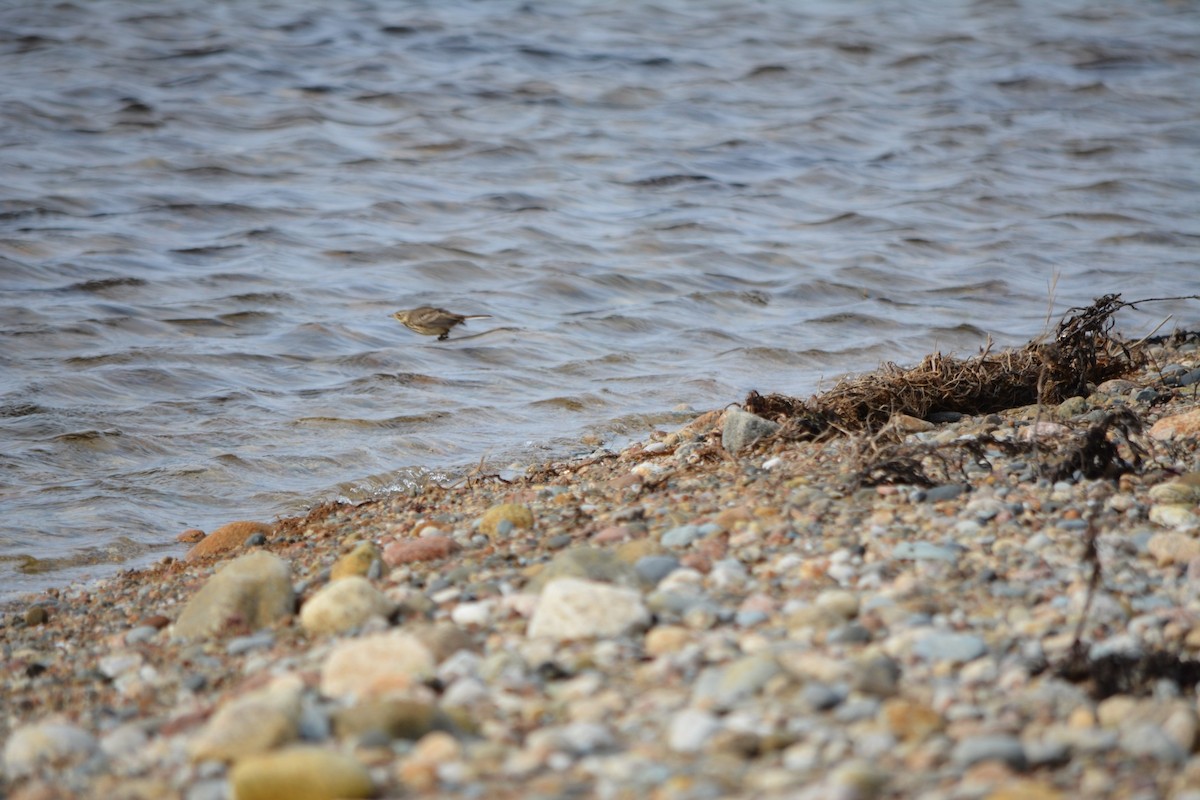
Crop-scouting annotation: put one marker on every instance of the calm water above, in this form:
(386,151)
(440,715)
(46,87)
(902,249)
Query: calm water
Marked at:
(209,212)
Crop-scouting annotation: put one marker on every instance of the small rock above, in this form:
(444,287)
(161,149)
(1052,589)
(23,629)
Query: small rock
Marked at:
(251,592)
(926,551)
(356,563)
(37,615)
(948,646)
(743,428)
(343,605)
(253,723)
(1177,425)
(516,514)
(225,538)
(589,563)
(724,687)
(427,548)
(1178,517)
(680,536)
(300,772)
(947,491)
(690,730)
(571,608)
(909,719)
(190,536)
(989,747)
(878,676)
(376,664)
(652,569)
(391,717)
(1173,548)
(49,743)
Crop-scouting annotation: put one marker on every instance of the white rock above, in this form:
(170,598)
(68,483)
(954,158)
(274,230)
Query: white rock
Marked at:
(472,614)
(379,663)
(691,729)
(572,608)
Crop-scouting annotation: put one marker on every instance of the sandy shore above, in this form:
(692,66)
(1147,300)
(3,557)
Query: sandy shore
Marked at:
(672,621)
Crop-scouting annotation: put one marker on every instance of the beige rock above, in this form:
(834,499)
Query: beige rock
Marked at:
(666,639)
(250,592)
(376,664)
(1173,548)
(1175,492)
(519,515)
(253,723)
(427,548)
(1179,517)
(357,562)
(343,605)
(419,770)
(300,772)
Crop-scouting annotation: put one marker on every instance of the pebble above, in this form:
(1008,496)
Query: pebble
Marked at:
(948,646)
(572,608)
(253,723)
(742,429)
(250,592)
(343,605)
(726,686)
(927,551)
(589,563)
(357,562)
(49,743)
(411,551)
(300,772)
(376,663)
(515,514)
(652,569)
(690,729)
(990,747)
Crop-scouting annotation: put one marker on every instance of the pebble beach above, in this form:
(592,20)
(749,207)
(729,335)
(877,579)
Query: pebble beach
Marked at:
(712,612)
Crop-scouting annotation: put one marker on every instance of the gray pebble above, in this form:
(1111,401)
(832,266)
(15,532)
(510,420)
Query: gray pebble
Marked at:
(949,646)
(652,569)
(1150,740)
(990,747)
(743,428)
(878,676)
(926,551)
(244,644)
(142,633)
(947,491)
(821,697)
(680,536)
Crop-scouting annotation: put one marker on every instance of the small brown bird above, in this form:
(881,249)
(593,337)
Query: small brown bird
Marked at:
(434,321)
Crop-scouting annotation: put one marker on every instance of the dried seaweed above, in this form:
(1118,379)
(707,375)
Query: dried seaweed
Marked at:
(1083,352)
(1096,455)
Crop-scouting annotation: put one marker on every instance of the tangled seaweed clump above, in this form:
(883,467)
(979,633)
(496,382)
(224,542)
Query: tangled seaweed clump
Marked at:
(1083,352)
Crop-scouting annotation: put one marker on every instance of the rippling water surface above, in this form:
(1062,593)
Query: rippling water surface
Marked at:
(209,212)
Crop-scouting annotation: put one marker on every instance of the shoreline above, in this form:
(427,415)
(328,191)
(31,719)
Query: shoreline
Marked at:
(672,618)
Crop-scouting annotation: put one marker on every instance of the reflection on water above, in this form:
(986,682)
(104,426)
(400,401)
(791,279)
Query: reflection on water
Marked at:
(211,211)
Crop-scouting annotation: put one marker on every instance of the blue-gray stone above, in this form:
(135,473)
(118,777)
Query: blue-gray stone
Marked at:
(947,491)
(751,617)
(926,551)
(949,646)
(652,569)
(244,644)
(990,747)
(680,536)
(743,428)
